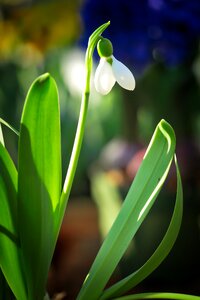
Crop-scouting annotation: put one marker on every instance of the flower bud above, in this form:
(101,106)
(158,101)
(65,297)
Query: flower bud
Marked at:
(104,48)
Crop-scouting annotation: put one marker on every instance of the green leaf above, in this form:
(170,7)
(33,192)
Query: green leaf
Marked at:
(175,296)
(5,291)
(1,136)
(1,132)
(159,255)
(9,126)
(140,198)
(39,182)
(10,260)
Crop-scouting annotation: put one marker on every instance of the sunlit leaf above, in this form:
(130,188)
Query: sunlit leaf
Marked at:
(1,136)
(10,260)
(39,182)
(9,126)
(140,198)
(160,253)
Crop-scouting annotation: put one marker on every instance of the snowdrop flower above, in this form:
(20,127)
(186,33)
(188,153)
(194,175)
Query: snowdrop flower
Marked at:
(111,70)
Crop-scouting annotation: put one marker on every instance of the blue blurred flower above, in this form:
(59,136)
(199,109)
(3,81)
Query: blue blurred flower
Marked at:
(143,31)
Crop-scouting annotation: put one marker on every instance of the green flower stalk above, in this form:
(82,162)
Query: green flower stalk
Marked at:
(93,40)
(108,71)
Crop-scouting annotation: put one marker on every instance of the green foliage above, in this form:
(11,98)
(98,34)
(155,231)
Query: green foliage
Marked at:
(39,192)
(160,253)
(32,203)
(10,254)
(140,198)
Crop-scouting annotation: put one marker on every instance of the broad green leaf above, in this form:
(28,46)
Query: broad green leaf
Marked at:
(175,296)
(39,181)
(158,256)
(10,260)
(141,196)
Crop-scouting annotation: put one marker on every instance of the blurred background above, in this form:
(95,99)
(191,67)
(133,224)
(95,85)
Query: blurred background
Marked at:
(159,41)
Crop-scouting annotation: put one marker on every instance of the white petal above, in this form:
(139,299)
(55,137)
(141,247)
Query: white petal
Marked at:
(123,75)
(104,79)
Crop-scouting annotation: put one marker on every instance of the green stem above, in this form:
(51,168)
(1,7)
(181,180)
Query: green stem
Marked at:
(81,122)
(76,148)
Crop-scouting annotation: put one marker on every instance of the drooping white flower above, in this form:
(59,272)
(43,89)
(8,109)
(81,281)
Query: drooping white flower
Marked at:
(108,72)
(104,78)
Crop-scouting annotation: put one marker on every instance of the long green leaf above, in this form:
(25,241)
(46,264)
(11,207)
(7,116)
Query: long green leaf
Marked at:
(1,136)
(175,296)
(2,121)
(39,182)
(140,198)
(159,255)
(10,260)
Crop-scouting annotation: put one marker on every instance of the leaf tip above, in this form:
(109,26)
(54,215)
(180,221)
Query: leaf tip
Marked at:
(168,132)
(166,126)
(43,77)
